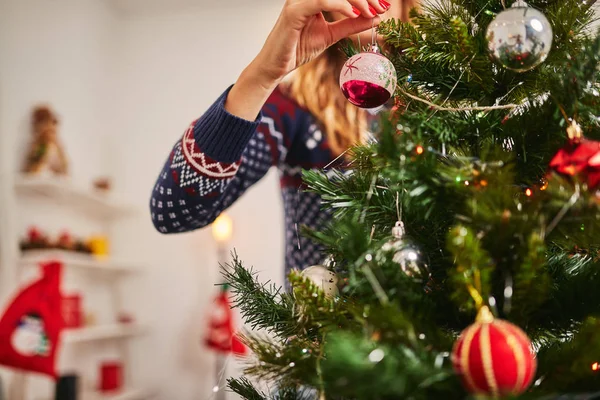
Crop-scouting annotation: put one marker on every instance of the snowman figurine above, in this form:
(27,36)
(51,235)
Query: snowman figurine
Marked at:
(29,338)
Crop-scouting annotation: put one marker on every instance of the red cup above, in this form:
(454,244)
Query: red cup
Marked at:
(111,376)
(71,311)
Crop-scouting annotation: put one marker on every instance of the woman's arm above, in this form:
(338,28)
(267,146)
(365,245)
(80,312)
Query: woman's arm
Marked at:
(227,149)
(220,156)
(300,34)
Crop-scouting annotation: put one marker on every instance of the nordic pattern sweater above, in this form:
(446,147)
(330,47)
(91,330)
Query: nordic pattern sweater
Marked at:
(220,156)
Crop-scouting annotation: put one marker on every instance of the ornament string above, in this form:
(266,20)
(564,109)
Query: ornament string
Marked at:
(373,36)
(475,289)
(219,386)
(452,90)
(398,210)
(471,108)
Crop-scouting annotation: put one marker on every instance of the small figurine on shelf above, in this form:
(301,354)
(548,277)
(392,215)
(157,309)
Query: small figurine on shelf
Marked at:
(81,246)
(125,318)
(46,154)
(102,184)
(99,246)
(35,239)
(65,241)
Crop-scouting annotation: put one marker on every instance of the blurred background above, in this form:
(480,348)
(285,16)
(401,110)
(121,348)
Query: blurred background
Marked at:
(118,82)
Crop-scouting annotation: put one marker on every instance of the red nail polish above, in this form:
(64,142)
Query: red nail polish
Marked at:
(355,10)
(384,4)
(373,11)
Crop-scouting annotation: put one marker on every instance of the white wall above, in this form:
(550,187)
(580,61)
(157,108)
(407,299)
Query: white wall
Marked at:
(60,53)
(174,64)
(126,81)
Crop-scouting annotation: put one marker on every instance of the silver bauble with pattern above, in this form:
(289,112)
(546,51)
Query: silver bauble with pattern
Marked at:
(520,37)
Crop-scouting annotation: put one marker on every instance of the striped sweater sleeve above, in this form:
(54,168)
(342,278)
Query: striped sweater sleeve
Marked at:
(218,158)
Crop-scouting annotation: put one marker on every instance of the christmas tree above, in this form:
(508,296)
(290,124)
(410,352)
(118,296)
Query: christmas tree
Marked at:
(465,243)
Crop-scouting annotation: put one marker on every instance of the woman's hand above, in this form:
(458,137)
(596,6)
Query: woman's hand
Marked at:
(300,34)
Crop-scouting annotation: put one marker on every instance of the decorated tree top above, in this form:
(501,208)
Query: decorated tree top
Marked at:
(490,161)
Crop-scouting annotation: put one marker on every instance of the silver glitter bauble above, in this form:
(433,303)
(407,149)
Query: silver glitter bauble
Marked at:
(323,278)
(520,37)
(407,255)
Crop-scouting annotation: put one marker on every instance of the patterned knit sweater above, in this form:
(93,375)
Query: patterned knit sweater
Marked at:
(220,156)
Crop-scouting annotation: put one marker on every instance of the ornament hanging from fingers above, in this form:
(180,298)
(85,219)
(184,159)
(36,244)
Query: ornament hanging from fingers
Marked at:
(368,79)
(520,37)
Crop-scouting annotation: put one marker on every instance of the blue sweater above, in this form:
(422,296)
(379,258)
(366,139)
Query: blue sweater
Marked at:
(220,156)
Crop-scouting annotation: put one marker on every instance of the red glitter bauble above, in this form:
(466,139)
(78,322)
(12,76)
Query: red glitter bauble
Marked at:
(494,357)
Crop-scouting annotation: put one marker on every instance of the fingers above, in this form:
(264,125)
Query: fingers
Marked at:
(371,8)
(350,26)
(309,8)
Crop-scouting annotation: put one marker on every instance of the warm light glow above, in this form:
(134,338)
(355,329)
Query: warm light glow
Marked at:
(483,183)
(222,228)
(528,192)
(595,366)
(420,150)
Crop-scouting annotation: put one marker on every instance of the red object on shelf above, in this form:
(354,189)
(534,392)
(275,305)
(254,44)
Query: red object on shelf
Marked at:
(31,325)
(221,335)
(34,234)
(71,311)
(111,376)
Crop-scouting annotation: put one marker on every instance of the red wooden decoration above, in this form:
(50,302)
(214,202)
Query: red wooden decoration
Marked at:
(221,335)
(31,325)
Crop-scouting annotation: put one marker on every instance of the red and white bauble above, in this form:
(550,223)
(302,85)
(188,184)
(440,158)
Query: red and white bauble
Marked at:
(494,357)
(368,79)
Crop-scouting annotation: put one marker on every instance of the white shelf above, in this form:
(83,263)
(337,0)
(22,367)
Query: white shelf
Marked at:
(103,332)
(76,260)
(127,394)
(64,192)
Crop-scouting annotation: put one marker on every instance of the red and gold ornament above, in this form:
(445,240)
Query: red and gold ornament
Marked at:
(580,157)
(494,357)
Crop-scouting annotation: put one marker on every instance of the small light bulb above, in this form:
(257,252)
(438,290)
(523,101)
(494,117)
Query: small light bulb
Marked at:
(420,150)
(466,183)
(528,192)
(222,228)
(596,366)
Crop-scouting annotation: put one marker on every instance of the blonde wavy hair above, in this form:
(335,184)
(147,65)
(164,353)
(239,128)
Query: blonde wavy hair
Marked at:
(315,86)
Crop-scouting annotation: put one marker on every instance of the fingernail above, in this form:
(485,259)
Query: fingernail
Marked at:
(373,11)
(384,4)
(355,10)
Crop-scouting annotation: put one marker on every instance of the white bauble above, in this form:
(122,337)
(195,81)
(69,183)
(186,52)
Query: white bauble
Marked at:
(323,278)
